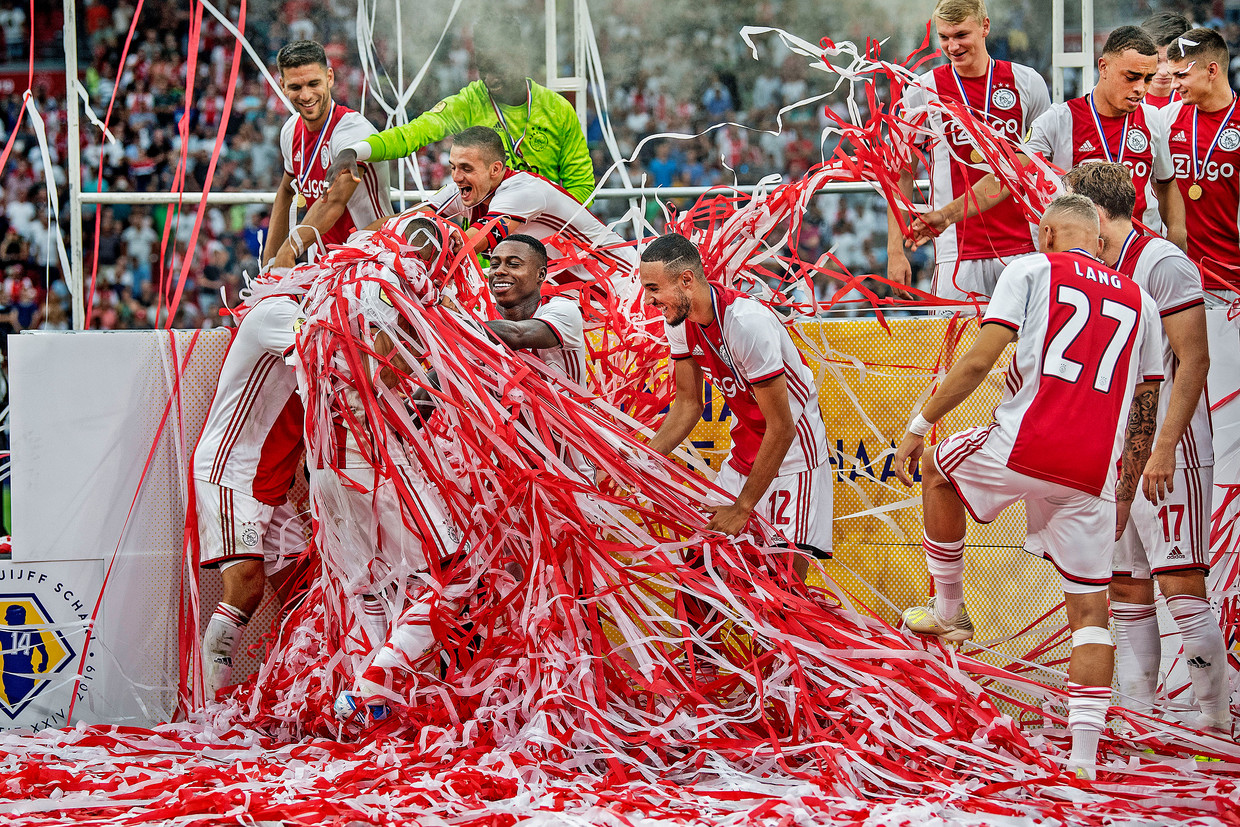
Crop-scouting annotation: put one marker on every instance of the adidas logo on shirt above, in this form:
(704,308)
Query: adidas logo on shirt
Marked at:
(697,351)
(1086,147)
(1175,554)
(1179,136)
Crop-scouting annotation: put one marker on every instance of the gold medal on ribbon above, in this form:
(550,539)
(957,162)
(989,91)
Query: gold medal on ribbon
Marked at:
(1194,192)
(976,157)
(301,201)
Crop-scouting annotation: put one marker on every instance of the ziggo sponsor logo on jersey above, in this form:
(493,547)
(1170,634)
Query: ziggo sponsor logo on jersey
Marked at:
(959,136)
(1138,168)
(314,188)
(729,386)
(1211,171)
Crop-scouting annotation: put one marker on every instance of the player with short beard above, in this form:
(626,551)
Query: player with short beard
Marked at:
(308,140)
(778,464)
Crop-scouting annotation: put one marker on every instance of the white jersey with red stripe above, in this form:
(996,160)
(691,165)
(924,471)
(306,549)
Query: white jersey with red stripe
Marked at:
(307,155)
(1088,336)
(1161,102)
(1010,97)
(252,439)
(531,204)
(563,316)
(1068,136)
(745,345)
(1174,283)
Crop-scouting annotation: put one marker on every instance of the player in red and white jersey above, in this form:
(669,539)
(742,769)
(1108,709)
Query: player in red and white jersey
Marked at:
(1167,534)
(550,327)
(1087,338)
(243,468)
(970,255)
(1205,145)
(1112,123)
(778,464)
(1163,28)
(1109,124)
(308,142)
(484,189)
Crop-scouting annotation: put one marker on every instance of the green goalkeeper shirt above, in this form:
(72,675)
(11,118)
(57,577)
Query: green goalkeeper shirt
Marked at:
(545,132)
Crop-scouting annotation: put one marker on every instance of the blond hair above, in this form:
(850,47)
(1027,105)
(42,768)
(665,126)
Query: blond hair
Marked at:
(955,12)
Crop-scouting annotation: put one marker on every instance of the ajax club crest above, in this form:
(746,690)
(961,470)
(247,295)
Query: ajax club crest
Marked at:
(1003,99)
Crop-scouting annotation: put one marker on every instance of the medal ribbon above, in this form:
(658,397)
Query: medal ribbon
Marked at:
(1133,235)
(1123,136)
(529,108)
(1198,170)
(307,162)
(990,72)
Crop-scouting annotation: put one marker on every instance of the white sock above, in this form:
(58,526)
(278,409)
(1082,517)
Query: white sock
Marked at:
(219,644)
(374,620)
(1138,653)
(1206,655)
(945,562)
(1087,715)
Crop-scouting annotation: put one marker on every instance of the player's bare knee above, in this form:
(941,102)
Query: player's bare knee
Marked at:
(1191,583)
(931,477)
(1131,590)
(1087,609)
(244,584)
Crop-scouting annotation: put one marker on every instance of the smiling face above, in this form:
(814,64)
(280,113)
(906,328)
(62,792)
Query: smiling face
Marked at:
(309,89)
(666,292)
(1123,80)
(964,44)
(516,275)
(1192,77)
(473,175)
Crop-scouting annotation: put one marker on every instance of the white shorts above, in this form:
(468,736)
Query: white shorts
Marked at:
(1070,528)
(799,505)
(369,536)
(957,279)
(233,526)
(1171,536)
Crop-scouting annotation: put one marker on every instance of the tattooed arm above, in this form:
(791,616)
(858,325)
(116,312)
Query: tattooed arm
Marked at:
(1138,440)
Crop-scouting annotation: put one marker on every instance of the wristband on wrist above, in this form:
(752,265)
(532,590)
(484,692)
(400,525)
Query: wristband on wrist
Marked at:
(919,426)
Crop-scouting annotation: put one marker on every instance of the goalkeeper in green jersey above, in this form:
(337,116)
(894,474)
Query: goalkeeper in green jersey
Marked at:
(539,127)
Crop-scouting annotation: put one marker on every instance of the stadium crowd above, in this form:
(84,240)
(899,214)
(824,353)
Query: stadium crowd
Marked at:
(653,88)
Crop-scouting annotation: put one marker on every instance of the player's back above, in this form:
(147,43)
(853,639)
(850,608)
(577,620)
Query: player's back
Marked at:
(1088,336)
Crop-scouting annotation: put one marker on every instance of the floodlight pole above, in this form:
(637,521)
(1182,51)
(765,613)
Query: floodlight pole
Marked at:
(76,271)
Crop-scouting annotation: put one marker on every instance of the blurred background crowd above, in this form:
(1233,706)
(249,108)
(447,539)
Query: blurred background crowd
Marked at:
(695,73)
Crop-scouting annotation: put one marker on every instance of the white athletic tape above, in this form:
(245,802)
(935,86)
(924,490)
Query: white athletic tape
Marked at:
(1091,634)
(919,426)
